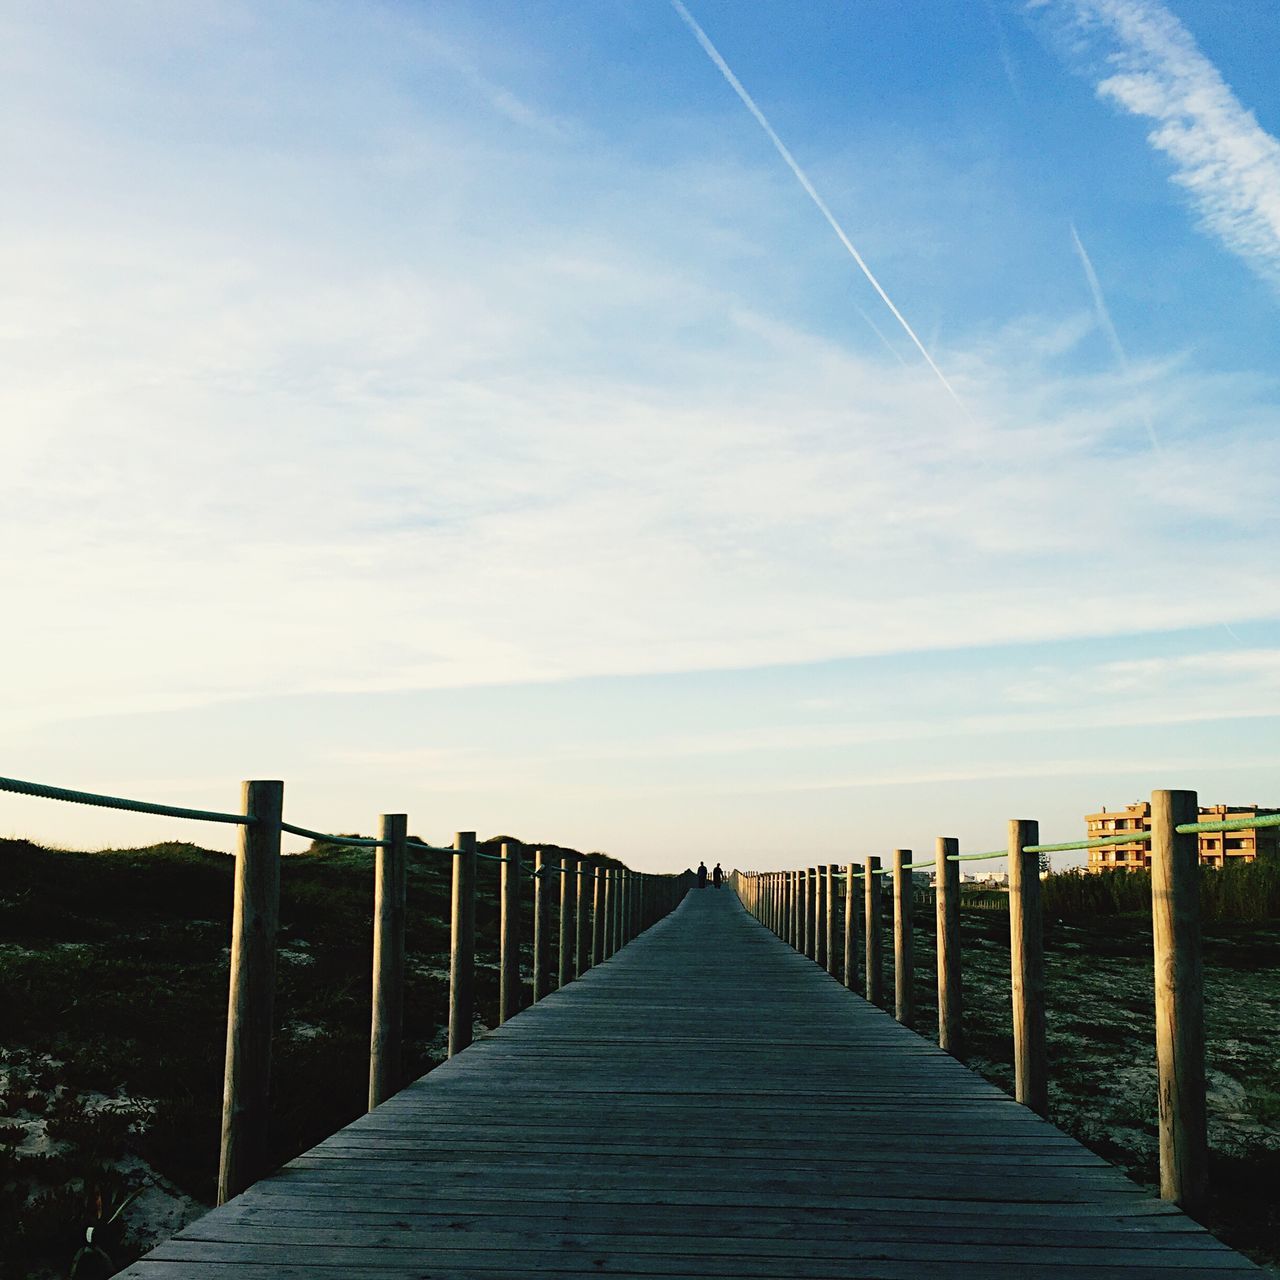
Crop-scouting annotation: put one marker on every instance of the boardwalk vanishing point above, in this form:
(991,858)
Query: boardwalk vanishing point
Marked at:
(707,1102)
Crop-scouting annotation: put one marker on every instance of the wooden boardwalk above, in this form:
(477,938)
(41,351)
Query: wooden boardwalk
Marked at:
(705,1103)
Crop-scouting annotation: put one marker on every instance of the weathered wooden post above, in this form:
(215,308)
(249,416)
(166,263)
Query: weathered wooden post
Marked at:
(462,943)
(833,915)
(903,952)
(598,916)
(820,920)
(788,895)
(542,890)
(851,928)
(947,897)
(610,912)
(386,1035)
(794,927)
(255,917)
(811,913)
(1179,994)
(620,910)
(874,940)
(510,991)
(628,900)
(568,918)
(803,922)
(615,924)
(585,882)
(1026,960)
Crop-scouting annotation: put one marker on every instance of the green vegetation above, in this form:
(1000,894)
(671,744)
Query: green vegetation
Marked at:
(1243,892)
(113,987)
(113,993)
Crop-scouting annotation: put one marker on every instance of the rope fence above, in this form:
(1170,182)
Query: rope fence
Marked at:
(40,791)
(804,907)
(602,907)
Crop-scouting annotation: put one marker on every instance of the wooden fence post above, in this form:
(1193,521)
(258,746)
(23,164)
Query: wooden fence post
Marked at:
(947,897)
(624,902)
(1026,957)
(811,914)
(255,917)
(598,916)
(1179,995)
(797,912)
(802,919)
(619,909)
(833,915)
(462,943)
(851,928)
(903,953)
(610,912)
(568,918)
(586,883)
(510,991)
(386,1035)
(820,920)
(874,914)
(542,891)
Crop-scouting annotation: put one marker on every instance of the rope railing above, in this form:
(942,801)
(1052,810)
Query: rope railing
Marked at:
(430,848)
(1231,824)
(1128,837)
(41,791)
(803,907)
(601,909)
(358,842)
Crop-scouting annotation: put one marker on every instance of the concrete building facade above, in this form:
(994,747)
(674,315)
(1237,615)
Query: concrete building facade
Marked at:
(1217,848)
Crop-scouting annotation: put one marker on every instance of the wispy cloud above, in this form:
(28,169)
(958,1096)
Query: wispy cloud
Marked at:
(1225,160)
(810,190)
(1103,314)
(1006,55)
(352,432)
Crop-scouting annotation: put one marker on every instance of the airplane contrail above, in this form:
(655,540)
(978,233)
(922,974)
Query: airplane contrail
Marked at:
(1108,327)
(747,101)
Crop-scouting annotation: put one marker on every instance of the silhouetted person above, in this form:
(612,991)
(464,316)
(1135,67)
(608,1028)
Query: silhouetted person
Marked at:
(702,875)
(716,876)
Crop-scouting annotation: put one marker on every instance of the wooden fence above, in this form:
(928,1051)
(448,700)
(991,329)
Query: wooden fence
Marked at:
(600,909)
(801,907)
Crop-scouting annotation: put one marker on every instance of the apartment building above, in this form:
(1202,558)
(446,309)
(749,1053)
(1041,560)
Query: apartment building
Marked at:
(1217,848)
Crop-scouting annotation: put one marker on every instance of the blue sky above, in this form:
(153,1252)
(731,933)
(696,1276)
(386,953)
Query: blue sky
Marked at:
(463,409)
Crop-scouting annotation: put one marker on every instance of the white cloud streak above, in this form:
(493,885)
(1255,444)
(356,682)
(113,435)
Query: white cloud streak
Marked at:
(345,431)
(1105,322)
(1223,158)
(810,190)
